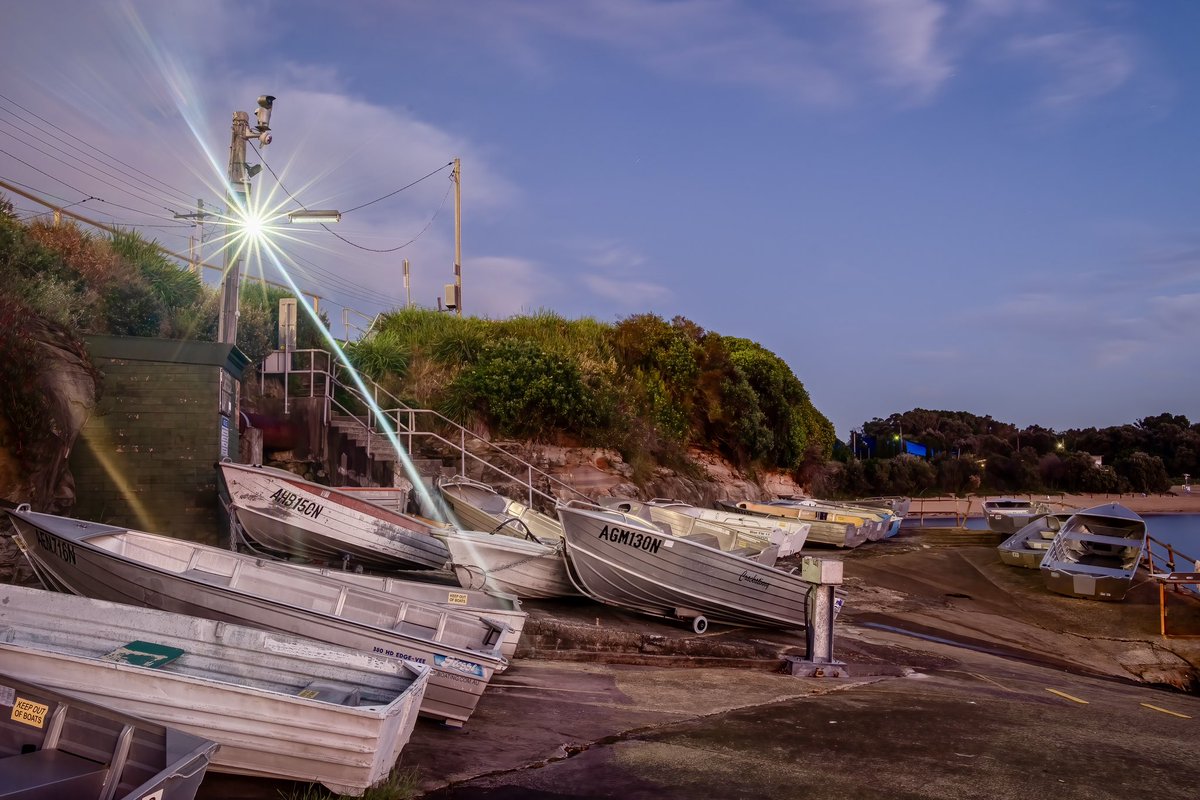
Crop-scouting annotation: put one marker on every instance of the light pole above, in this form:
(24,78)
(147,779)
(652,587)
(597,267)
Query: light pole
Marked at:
(239,180)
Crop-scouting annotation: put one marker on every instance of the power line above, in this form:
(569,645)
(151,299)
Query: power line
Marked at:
(398,191)
(94,177)
(92,162)
(93,147)
(355,244)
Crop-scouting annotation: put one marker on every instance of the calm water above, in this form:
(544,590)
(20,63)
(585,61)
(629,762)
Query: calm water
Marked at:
(1181,531)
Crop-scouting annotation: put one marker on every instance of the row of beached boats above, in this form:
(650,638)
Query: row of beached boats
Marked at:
(1093,553)
(316,671)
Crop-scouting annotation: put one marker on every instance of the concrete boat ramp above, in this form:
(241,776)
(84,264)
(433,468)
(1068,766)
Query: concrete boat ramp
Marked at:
(966,679)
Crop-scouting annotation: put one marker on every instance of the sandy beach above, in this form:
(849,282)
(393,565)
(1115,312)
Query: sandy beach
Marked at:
(1176,501)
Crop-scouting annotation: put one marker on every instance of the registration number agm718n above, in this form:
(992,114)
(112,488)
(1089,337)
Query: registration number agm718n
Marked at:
(52,544)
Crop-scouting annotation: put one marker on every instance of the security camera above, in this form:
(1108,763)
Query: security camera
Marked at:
(263,112)
(265,138)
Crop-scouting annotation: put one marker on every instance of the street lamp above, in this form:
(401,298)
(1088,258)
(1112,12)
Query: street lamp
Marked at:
(315,216)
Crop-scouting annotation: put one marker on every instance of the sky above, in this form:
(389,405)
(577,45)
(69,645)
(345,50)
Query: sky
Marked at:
(986,206)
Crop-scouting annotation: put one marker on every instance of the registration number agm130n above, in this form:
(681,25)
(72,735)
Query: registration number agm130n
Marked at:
(634,539)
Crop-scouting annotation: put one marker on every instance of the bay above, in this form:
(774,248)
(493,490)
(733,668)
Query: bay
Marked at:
(1180,531)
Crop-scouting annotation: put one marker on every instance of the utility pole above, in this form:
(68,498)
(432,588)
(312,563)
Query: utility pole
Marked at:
(407,292)
(197,244)
(456,176)
(239,179)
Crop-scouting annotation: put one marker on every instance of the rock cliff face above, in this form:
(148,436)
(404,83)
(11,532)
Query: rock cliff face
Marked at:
(68,384)
(597,473)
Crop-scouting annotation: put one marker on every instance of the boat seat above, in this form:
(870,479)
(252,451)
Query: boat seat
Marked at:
(207,577)
(330,692)
(706,539)
(50,773)
(746,552)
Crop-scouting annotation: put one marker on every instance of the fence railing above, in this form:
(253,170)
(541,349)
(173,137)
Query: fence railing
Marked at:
(384,417)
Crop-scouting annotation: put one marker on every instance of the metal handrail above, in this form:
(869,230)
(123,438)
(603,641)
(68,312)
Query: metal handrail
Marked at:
(401,420)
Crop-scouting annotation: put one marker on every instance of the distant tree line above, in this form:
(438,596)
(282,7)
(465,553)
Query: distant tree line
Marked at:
(966,453)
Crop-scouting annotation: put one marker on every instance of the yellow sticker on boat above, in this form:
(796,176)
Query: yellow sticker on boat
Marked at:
(457,599)
(30,713)
(307,694)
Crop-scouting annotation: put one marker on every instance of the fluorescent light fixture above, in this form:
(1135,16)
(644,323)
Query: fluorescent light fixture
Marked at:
(326,215)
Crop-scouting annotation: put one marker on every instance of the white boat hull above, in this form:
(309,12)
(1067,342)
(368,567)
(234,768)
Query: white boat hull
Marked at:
(479,507)
(502,607)
(625,562)
(246,689)
(286,514)
(506,564)
(144,569)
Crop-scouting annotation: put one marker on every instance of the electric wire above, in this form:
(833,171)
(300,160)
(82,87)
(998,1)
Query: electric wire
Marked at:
(94,177)
(364,205)
(92,147)
(136,189)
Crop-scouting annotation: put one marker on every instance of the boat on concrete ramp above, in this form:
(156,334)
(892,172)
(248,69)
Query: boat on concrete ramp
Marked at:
(145,569)
(835,529)
(1008,515)
(528,567)
(1096,553)
(58,745)
(683,519)
(283,513)
(480,507)
(280,706)
(1027,547)
(498,606)
(624,561)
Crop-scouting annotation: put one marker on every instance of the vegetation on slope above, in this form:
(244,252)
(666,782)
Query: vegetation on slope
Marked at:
(645,386)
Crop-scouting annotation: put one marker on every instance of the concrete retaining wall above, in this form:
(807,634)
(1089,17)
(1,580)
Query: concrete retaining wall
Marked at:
(146,458)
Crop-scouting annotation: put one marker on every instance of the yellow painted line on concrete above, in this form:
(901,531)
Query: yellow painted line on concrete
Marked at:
(1070,697)
(1167,711)
(990,680)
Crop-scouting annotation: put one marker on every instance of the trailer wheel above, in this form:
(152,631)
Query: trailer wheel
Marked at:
(699,624)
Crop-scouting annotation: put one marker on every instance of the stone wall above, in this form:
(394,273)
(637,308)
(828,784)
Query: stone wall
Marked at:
(146,458)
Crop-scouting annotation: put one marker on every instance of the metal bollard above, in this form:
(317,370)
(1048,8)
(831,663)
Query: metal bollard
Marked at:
(824,577)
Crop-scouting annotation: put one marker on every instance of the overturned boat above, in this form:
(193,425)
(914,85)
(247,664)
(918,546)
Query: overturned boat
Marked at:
(284,513)
(626,562)
(280,706)
(58,745)
(128,566)
(1096,553)
(683,519)
(1028,546)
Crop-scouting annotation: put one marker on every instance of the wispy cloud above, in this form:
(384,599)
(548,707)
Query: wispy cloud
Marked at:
(902,39)
(1081,65)
(626,294)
